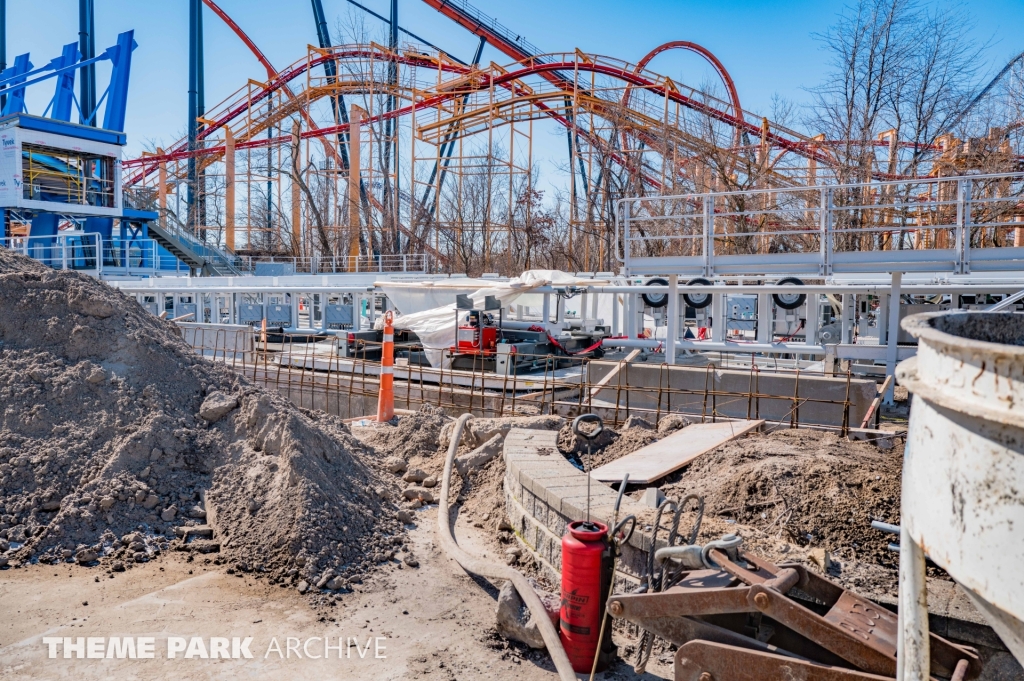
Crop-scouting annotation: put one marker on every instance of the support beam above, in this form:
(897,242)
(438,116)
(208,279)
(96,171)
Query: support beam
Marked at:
(672,326)
(719,318)
(894,334)
(195,38)
(629,312)
(447,147)
(882,319)
(331,71)
(355,131)
(913,654)
(813,318)
(849,317)
(765,323)
(229,189)
(296,191)
(3,54)
(161,190)
(87,46)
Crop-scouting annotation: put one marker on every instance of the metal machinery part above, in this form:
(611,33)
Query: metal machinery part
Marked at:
(696,300)
(738,617)
(789,301)
(656,300)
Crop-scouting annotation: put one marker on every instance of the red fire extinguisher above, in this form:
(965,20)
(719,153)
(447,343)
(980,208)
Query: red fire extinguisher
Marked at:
(585,561)
(587,564)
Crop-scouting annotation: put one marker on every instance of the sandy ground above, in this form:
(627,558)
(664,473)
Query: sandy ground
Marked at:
(435,622)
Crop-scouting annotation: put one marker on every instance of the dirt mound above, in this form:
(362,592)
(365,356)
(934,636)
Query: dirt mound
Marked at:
(809,488)
(10,262)
(114,434)
(413,435)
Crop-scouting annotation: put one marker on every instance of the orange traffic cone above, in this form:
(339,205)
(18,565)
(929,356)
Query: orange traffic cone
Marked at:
(386,396)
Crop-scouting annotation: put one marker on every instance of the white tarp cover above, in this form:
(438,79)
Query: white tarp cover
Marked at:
(437,326)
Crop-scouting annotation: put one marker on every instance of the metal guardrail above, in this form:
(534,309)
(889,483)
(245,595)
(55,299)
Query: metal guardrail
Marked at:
(76,251)
(91,254)
(418,263)
(79,251)
(494,25)
(955,225)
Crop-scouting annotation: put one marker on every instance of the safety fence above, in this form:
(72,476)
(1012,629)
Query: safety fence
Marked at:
(957,225)
(91,254)
(315,375)
(402,262)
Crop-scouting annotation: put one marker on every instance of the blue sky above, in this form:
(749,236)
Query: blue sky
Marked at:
(767,46)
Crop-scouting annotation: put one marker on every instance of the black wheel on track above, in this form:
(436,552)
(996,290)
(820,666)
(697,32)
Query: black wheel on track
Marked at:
(789,301)
(655,299)
(698,301)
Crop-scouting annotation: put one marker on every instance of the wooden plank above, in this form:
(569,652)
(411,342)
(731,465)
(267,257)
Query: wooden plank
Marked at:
(669,454)
(877,401)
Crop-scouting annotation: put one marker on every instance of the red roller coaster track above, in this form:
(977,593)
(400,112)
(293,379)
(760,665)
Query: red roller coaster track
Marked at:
(532,65)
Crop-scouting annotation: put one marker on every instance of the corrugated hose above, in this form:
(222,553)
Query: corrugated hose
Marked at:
(485,568)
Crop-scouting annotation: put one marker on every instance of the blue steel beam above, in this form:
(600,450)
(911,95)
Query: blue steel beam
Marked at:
(52,68)
(64,96)
(3,47)
(87,46)
(117,91)
(15,78)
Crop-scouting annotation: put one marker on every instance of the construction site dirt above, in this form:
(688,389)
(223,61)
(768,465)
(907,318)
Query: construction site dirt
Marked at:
(150,493)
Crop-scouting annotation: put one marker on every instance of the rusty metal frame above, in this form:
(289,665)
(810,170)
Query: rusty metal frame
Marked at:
(853,631)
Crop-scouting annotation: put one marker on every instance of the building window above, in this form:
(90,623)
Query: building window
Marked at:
(67,176)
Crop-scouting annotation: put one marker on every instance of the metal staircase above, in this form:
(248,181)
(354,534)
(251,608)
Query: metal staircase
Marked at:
(206,258)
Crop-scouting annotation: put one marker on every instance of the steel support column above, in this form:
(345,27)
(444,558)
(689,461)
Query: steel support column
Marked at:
(672,326)
(3,49)
(765,323)
(913,654)
(195,56)
(229,189)
(87,46)
(894,334)
(331,71)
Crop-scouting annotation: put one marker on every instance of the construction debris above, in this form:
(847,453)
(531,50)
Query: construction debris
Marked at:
(479,431)
(514,620)
(789,492)
(408,437)
(117,441)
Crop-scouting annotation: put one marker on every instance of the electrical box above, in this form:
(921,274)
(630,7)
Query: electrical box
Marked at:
(742,312)
(279,315)
(338,316)
(250,313)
